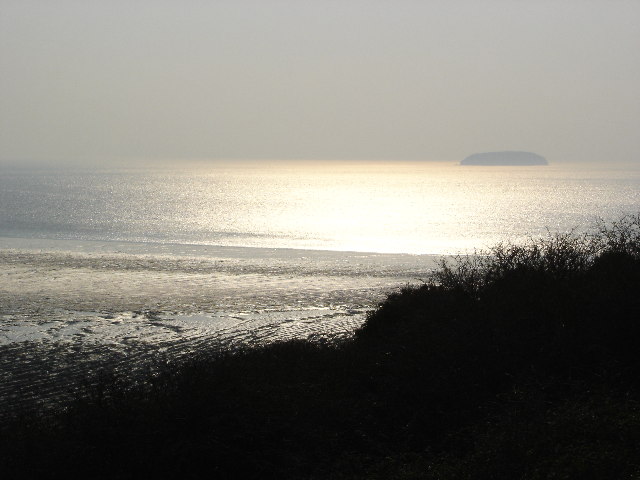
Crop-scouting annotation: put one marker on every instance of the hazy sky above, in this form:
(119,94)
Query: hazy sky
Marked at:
(321,79)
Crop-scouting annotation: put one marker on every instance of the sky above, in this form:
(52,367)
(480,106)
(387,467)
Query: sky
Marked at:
(92,80)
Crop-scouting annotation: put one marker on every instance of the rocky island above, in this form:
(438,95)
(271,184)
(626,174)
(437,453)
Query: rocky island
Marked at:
(515,158)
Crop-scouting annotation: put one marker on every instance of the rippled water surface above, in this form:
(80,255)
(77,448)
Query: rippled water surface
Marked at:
(402,208)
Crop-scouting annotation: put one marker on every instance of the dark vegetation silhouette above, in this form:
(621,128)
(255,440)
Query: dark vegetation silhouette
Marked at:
(520,362)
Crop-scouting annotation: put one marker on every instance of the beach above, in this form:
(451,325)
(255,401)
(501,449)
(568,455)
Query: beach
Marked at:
(71,310)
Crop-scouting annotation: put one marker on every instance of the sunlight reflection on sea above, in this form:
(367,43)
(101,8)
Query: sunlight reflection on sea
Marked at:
(397,208)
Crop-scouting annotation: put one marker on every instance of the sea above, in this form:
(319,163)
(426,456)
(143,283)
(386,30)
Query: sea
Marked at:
(123,264)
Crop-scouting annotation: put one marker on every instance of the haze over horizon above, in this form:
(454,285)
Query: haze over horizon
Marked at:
(296,79)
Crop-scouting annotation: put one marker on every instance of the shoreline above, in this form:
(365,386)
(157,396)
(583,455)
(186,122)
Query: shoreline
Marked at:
(196,249)
(66,316)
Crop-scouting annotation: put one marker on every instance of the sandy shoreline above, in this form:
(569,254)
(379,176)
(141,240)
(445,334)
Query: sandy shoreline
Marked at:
(65,315)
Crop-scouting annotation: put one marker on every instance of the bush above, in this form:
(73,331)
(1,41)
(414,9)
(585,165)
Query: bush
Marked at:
(520,362)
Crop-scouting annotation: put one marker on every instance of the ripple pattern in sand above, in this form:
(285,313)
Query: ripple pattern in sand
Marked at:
(64,317)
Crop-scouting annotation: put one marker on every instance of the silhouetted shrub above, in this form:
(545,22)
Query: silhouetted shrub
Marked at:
(520,362)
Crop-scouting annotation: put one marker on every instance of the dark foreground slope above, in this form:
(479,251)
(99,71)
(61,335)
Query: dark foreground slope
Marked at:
(521,364)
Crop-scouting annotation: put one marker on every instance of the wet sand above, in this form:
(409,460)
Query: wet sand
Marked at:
(66,316)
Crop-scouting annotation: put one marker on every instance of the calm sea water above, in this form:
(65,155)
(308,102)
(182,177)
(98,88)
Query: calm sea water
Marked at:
(119,266)
(394,208)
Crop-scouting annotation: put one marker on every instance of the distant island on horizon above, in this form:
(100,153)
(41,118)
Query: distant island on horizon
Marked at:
(506,158)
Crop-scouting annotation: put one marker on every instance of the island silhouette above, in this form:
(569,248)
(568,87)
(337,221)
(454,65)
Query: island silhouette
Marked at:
(515,158)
